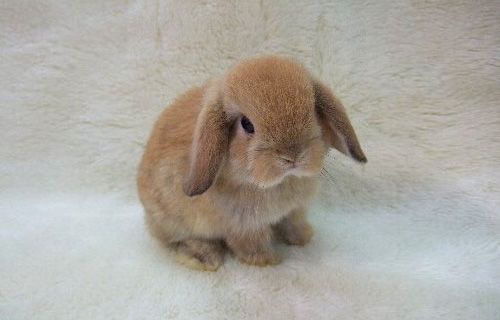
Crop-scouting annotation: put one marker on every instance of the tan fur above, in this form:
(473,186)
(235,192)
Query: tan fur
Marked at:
(294,229)
(204,181)
(336,124)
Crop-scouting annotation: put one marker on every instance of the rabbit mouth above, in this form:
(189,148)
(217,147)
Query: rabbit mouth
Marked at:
(297,171)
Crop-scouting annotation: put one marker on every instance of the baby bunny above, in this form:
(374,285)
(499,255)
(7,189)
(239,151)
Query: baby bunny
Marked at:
(234,163)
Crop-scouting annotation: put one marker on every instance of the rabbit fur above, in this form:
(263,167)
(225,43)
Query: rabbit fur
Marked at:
(208,184)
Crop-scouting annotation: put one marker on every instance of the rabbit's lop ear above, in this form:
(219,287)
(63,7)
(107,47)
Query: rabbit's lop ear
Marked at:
(337,128)
(209,145)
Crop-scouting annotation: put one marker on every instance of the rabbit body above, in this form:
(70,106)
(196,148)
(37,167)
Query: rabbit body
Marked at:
(210,180)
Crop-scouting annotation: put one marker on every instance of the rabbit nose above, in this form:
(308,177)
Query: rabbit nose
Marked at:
(290,154)
(287,158)
(291,161)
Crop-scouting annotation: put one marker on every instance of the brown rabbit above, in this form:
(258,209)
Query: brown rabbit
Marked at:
(235,162)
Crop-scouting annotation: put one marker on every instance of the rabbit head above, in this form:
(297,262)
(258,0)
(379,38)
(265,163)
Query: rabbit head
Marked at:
(265,120)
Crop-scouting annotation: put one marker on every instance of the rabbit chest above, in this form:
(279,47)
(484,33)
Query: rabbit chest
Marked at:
(249,207)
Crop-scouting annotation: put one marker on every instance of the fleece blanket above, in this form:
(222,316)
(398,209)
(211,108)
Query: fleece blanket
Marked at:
(413,234)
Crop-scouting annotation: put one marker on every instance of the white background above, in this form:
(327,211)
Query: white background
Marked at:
(414,234)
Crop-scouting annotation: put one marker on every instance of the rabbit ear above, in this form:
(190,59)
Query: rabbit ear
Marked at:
(337,128)
(209,146)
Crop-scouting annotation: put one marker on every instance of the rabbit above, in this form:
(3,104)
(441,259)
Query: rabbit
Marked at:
(234,163)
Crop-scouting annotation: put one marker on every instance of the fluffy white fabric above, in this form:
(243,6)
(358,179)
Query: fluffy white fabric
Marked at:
(414,234)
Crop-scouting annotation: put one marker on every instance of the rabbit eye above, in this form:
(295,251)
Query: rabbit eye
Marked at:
(247,125)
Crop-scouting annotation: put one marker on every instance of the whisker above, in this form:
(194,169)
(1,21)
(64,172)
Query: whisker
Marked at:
(327,175)
(314,138)
(261,149)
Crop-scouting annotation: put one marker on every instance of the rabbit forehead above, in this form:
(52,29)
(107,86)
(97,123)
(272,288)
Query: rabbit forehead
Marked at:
(275,93)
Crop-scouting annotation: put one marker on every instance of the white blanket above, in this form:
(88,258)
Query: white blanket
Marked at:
(413,234)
